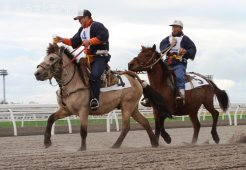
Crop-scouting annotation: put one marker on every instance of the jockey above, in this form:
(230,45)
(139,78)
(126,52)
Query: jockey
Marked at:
(182,50)
(94,37)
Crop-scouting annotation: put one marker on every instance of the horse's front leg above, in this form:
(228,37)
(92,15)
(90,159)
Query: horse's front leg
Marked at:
(83,130)
(164,134)
(157,128)
(59,114)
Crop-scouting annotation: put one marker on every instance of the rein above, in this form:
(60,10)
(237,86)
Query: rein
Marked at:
(74,58)
(61,85)
(71,77)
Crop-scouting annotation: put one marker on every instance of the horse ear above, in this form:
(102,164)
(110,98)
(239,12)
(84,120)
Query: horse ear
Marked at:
(50,49)
(154,47)
(142,47)
(53,48)
(56,48)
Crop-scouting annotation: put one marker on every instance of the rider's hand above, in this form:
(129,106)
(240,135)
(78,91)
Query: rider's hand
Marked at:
(173,42)
(86,43)
(182,51)
(60,39)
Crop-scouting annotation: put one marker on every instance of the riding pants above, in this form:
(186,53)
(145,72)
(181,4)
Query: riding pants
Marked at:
(97,68)
(179,71)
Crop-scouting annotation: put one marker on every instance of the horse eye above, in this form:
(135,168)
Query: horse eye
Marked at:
(52,59)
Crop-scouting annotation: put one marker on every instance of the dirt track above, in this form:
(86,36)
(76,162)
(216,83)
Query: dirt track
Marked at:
(27,152)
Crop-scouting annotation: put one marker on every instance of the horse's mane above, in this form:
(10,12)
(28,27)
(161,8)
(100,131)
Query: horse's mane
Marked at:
(53,48)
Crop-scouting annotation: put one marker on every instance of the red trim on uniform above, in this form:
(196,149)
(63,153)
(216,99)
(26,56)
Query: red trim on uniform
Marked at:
(67,41)
(95,41)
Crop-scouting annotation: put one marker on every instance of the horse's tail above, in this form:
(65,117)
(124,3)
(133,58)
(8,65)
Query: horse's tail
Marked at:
(221,96)
(154,97)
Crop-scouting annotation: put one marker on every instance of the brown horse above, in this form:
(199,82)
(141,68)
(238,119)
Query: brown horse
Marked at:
(73,97)
(161,79)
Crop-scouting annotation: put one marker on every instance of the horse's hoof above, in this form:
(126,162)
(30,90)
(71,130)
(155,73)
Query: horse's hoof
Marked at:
(167,138)
(115,146)
(82,149)
(193,142)
(216,139)
(155,145)
(47,144)
(154,142)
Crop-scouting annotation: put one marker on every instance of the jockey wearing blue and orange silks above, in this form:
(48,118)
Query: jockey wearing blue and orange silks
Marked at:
(183,49)
(94,37)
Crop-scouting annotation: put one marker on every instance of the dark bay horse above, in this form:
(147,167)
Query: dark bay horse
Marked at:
(73,97)
(162,80)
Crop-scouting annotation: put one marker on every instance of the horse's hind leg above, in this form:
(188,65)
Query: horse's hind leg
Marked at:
(144,122)
(125,129)
(196,126)
(59,114)
(215,115)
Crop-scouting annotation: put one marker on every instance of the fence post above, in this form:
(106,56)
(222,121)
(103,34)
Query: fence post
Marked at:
(116,121)
(108,121)
(235,115)
(69,125)
(229,116)
(13,122)
(53,129)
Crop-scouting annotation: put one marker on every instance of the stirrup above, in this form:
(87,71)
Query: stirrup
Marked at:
(145,102)
(94,104)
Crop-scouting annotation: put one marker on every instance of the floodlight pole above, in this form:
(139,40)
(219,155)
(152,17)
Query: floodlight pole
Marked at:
(210,77)
(4,73)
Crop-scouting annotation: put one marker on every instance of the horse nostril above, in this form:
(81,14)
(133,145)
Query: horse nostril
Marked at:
(37,74)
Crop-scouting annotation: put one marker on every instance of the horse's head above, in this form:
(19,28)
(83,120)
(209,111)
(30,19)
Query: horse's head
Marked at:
(145,59)
(51,65)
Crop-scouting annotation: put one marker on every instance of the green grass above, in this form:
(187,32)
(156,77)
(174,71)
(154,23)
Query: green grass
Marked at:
(101,121)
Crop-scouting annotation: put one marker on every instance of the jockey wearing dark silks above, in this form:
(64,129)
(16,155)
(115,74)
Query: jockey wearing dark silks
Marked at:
(183,49)
(94,37)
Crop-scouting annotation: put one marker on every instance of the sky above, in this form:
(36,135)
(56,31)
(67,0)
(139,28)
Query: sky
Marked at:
(216,27)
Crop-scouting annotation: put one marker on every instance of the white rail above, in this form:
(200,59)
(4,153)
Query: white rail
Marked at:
(241,108)
(203,112)
(41,112)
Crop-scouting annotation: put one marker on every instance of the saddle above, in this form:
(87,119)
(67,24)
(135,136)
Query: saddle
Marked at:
(108,78)
(187,77)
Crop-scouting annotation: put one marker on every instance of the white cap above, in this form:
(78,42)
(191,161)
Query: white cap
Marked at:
(82,13)
(177,22)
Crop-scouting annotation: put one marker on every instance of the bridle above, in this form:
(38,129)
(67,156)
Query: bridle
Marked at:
(148,64)
(57,72)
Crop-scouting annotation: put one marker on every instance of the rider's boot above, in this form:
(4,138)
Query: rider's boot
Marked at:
(180,97)
(94,104)
(145,102)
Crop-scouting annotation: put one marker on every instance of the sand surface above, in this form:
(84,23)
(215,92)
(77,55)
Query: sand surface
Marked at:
(28,152)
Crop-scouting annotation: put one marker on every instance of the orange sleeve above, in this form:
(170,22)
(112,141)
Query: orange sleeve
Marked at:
(95,41)
(67,41)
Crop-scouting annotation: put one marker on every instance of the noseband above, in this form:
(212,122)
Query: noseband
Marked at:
(148,64)
(57,71)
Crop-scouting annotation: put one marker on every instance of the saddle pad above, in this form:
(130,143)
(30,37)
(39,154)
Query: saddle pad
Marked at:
(196,81)
(118,86)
